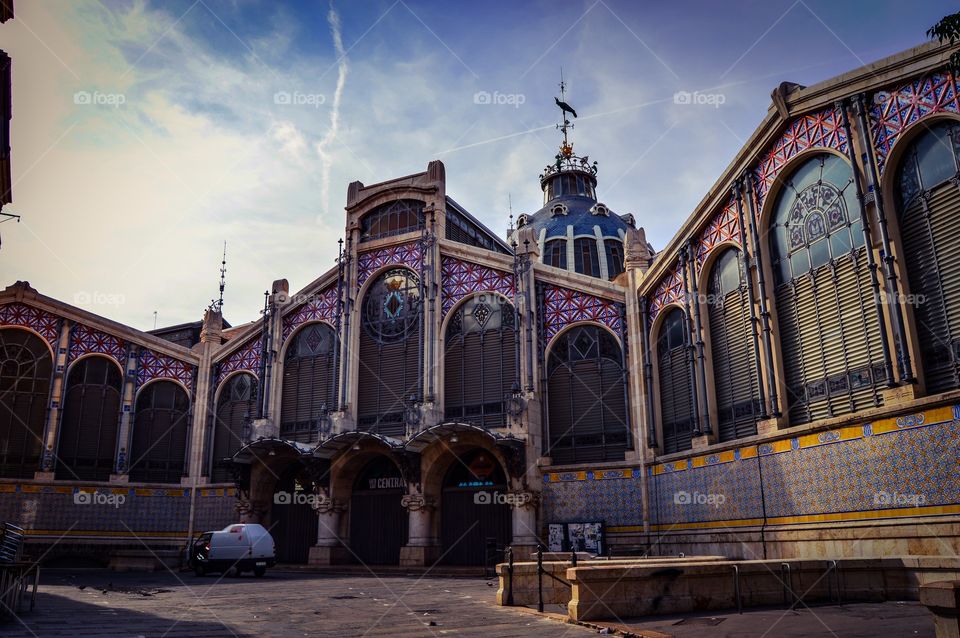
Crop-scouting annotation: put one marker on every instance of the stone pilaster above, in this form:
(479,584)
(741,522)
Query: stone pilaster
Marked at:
(423,547)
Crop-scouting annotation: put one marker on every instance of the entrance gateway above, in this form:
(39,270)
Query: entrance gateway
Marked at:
(473,512)
(378,521)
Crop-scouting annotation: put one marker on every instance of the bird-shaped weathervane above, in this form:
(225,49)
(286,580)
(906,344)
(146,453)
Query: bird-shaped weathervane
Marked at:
(566,108)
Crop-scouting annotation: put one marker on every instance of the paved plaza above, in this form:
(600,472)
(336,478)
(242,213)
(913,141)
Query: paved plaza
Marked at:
(287,604)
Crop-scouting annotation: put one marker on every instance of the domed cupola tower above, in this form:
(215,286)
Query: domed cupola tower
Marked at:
(573,230)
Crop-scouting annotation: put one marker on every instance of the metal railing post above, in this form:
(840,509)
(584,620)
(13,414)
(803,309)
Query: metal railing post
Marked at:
(539,577)
(510,576)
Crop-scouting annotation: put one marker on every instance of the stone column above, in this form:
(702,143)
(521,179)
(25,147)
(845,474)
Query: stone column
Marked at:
(127,408)
(422,548)
(526,536)
(48,453)
(329,549)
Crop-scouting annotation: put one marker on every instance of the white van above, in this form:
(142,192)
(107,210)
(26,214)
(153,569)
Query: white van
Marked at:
(243,546)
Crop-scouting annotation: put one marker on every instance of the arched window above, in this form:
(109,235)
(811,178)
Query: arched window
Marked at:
(309,382)
(731,340)
(160,426)
(614,248)
(555,253)
(929,207)
(390,353)
(91,413)
(829,329)
(394,218)
(674,367)
(586,396)
(236,408)
(586,258)
(25,368)
(480,361)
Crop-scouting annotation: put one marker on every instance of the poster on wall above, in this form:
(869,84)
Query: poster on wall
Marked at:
(555,537)
(576,537)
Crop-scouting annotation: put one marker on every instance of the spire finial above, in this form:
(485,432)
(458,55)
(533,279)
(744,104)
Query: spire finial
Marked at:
(566,149)
(218,304)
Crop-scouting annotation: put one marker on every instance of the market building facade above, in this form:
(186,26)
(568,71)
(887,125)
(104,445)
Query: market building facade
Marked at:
(781,380)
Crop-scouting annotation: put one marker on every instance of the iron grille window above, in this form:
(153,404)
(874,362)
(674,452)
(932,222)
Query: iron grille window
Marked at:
(480,361)
(390,353)
(160,425)
(829,329)
(309,383)
(394,218)
(236,407)
(731,338)
(91,413)
(614,248)
(586,397)
(25,369)
(929,209)
(674,365)
(586,257)
(555,253)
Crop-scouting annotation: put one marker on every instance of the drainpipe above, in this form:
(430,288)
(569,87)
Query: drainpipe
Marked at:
(761,285)
(871,264)
(747,264)
(698,327)
(647,371)
(893,289)
(689,347)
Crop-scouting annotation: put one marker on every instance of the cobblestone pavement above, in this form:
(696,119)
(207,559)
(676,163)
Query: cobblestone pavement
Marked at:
(280,605)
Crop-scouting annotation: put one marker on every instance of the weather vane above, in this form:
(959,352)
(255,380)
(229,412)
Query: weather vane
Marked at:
(566,149)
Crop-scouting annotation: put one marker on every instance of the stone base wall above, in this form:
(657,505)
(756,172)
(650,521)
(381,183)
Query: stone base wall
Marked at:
(884,488)
(106,522)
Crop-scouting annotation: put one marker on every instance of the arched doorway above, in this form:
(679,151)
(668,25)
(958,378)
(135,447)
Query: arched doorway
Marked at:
(294,522)
(474,511)
(378,522)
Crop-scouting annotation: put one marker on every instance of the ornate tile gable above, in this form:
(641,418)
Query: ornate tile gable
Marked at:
(669,291)
(823,129)
(321,306)
(563,306)
(725,226)
(247,357)
(408,254)
(893,112)
(461,278)
(153,365)
(44,323)
(87,340)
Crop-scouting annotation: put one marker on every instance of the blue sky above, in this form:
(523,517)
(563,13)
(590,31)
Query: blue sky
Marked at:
(184,138)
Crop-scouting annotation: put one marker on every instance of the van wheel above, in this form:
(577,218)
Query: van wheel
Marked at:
(259,571)
(200,570)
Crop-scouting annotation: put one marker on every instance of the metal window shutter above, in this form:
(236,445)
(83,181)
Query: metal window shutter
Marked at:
(676,407)
(931,246)
(734,367)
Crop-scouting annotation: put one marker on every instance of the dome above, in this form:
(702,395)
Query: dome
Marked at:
(573,230)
